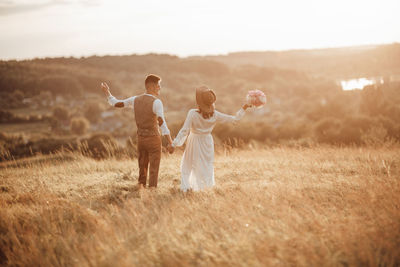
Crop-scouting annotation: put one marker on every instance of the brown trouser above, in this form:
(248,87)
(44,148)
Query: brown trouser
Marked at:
(149,150)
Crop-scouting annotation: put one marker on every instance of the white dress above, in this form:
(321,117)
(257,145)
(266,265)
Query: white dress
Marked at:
(197,166)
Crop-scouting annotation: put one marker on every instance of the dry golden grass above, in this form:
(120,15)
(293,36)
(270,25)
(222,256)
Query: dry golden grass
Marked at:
(279,206)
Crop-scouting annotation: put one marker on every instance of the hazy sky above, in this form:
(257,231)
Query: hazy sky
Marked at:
(40,28)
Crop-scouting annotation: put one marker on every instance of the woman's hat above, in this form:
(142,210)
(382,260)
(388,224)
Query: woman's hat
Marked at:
(205,98)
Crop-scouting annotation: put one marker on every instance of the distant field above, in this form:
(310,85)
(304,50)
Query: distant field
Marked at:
(25,128)
(30,111)
(278,206)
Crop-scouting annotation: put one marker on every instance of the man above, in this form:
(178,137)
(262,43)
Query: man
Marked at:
(149,115)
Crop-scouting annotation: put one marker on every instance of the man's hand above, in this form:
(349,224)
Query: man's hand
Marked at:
(106,89)
(170,149)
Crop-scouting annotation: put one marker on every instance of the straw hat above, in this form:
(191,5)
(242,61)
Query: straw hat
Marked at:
(205,98)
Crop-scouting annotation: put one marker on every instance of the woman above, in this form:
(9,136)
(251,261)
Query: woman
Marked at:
(197,170)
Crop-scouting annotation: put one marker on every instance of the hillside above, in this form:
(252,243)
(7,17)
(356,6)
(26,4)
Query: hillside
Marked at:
(59,99)
(339,63)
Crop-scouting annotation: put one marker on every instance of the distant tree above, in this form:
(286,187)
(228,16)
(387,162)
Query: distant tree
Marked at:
(93,111)
(337,107)
(204,67)
(18,95)
(372,101)
(60,85)
(90,83)
(254,73)
(61,113)
(44,98)
(393,112)
(6,116)
(79,125)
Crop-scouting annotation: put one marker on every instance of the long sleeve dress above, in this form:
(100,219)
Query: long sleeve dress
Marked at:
(197,166)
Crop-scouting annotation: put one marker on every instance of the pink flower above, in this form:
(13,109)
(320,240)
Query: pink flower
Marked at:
(256,98)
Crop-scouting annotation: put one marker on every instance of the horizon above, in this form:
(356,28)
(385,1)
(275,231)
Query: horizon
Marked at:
(367,46)
(84,28)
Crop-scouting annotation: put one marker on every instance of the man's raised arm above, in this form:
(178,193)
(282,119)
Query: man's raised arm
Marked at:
(112,100)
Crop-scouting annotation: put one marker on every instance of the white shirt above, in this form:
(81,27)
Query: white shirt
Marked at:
(196,124)
(158,109)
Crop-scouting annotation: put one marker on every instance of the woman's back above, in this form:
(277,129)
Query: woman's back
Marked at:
(200,125)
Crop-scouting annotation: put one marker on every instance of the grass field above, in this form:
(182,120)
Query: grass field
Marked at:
(278,206)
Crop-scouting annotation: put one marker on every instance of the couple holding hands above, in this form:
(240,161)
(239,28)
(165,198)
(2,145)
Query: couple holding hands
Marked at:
(197,169)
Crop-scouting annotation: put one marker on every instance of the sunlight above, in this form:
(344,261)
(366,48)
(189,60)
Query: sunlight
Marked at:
(177,27)
(360,83)
(356,84)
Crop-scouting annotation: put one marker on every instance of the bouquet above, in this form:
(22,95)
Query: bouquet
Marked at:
(256,98)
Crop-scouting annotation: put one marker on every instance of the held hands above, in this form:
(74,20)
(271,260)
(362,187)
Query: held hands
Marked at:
(106,89)
(170,149)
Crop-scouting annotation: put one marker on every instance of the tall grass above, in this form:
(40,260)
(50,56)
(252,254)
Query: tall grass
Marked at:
(281,206)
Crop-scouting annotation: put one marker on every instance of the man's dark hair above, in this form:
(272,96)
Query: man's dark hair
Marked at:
(151,78)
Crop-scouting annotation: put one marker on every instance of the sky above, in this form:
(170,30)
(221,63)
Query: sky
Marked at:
(53,28)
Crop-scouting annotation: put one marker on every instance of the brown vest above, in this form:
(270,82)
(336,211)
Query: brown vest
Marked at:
(146,120)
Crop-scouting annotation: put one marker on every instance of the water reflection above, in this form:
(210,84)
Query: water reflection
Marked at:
(359,83)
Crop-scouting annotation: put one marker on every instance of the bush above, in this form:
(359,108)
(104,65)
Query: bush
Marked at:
(6,116)
(327,130)
(352,129)
(291,130)
(9,117)
(14,147)
(61,113)
(7,145)
(376,136)
(93,112)
(18,95)
(79,125)
(100,146)
(245,131)
(51,145)
(393,130)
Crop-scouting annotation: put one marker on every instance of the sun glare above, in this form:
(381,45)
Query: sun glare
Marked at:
(183,28)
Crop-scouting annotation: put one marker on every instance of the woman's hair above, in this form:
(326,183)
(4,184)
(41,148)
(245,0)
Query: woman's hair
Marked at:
(206,115)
